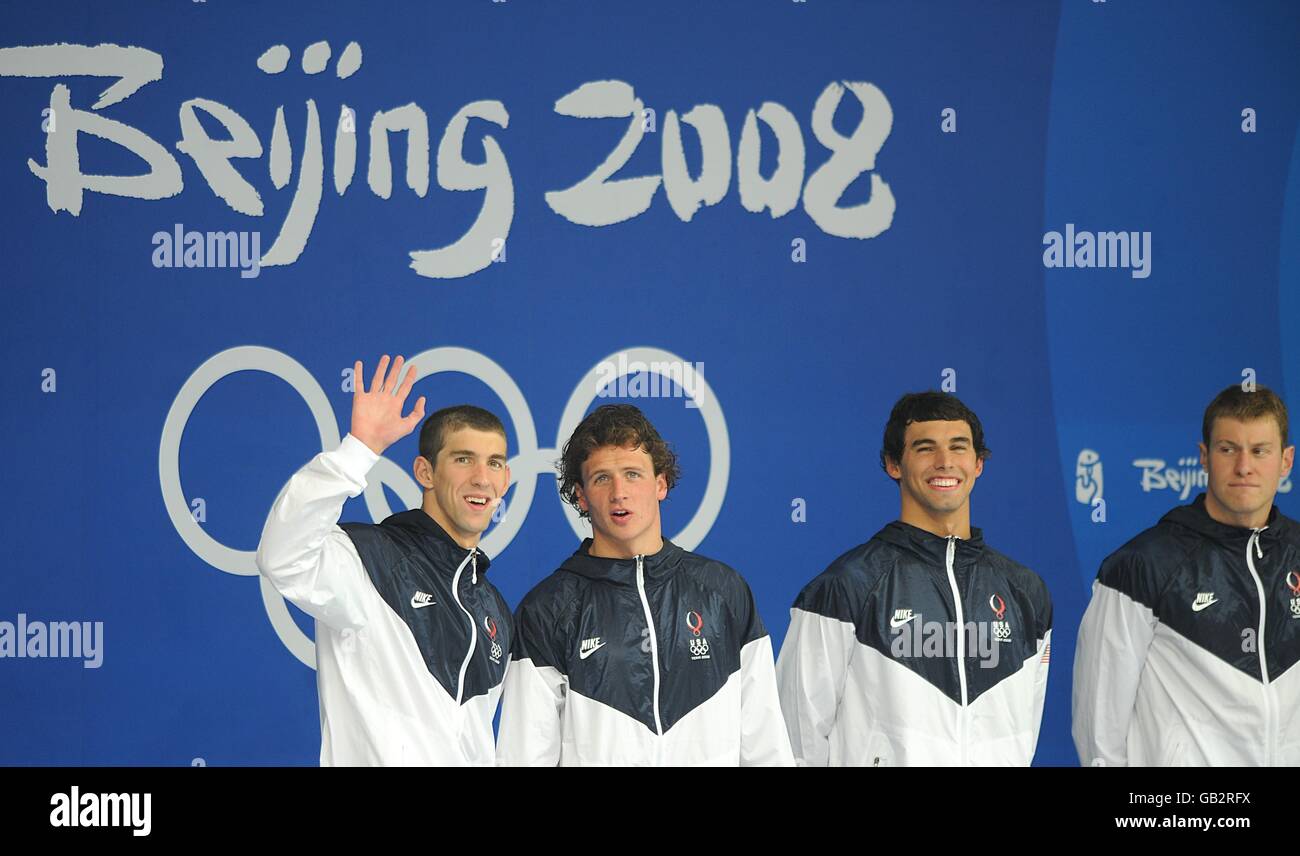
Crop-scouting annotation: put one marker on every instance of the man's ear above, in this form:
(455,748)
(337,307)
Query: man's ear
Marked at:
(892,469)
(582,500)
(1205,456)
(423,472)
(662,482)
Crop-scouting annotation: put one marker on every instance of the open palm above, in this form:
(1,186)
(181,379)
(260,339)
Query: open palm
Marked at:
(377,417)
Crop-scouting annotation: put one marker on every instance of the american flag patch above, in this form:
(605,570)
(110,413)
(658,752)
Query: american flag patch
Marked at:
(1047,653)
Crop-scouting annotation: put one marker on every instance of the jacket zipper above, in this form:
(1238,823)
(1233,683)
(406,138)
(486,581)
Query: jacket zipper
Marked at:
(471,559)
(1263,658)
(961,646)
(654,642)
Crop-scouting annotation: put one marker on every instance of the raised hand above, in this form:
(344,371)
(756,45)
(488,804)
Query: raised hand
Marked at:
(377,417)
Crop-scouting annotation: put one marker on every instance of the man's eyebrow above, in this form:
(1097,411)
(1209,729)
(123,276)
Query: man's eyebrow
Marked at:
(926,440)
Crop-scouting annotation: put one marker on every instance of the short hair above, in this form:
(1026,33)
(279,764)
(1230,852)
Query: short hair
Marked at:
(433,434)
(928,406)
(1235,403)
(621,425)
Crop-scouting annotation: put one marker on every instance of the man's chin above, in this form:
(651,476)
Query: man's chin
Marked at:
(474,527)
(940,506)
(1247,509)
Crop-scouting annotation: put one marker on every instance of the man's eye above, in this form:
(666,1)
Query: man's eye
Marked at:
(496,465)
(634,475)
(462,460)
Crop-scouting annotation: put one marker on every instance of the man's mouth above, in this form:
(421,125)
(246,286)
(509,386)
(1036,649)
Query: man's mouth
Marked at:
(620,514)
(479,503)
(943,483)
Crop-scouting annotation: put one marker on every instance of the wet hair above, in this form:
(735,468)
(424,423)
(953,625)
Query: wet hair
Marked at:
(621,425)
(928,406)
(1235,403)
(433,434)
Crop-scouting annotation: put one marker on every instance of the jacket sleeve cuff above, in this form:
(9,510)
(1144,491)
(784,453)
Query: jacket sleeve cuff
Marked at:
(354,458)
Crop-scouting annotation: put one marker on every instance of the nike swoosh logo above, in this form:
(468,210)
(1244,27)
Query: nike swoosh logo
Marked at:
(1197,607)
(422,605)
(894,622)
(585,654)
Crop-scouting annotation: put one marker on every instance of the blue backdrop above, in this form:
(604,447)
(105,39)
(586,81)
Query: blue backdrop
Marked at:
(155,410)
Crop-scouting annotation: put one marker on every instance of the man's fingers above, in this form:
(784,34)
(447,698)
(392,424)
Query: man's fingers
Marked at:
(391,381)
(405,389)
(417,413)
(358,382)
(378,382)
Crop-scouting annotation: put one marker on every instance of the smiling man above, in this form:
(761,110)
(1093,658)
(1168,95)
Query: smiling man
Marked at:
(923,646)
(636,652)
(1187,652)
(412,641)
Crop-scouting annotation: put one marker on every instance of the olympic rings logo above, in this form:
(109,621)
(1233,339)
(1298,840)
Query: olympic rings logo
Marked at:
(528,463)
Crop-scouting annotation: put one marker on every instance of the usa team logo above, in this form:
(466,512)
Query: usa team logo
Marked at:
(491,627)
(1293,583)
(698,644)
(1001,629)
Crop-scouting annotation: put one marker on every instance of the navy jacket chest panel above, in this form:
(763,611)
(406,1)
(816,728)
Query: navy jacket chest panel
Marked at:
(699,645)
(494,630)
(926,643)
(1282,594)
(1226,624)
(441,629)
(609,627)
(607,651)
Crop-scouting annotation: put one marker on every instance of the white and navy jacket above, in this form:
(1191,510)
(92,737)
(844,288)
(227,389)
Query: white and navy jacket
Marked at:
(412,641)
(874,672)
(655,660)
(1187,653)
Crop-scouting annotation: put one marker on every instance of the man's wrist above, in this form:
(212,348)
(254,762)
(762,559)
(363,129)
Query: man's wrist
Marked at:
(369,442)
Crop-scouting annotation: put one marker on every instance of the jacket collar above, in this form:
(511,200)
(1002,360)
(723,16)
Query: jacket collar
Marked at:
(419,520)
(1195,517)
(623,571)
(931,548)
